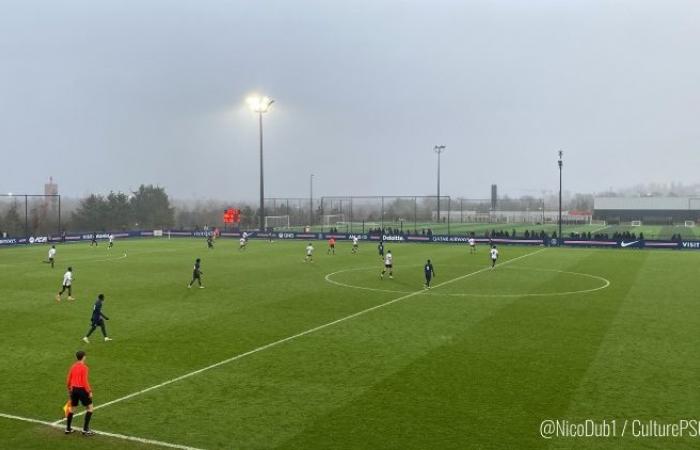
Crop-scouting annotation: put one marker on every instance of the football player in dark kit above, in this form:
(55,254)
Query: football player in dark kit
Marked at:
(429,273)
(94,239)
(97,320)
(380,248)
(197,274)
(210,242)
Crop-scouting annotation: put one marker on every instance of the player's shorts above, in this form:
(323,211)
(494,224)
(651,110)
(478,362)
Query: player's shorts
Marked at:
(78,394)
(50,259)
(428,276)
(66,286)
(331,245)
(195,275)
(473,244)
(388,266)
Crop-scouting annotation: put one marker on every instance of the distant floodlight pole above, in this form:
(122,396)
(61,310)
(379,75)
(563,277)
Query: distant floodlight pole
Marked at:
(261,105)
(561,163)
(438,149)
(311,200)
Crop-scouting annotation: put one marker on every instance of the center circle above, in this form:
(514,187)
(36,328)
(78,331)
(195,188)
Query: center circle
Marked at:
(603,284)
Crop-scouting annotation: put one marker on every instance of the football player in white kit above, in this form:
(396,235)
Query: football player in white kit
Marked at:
(494,256)
(67,285)
(355,244)
(472,244)
(309,253)
(52,255)
(388,265)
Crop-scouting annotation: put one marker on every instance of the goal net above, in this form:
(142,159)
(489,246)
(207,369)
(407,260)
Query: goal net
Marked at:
(636,223)
(689,223)
(333,219)
(277,221)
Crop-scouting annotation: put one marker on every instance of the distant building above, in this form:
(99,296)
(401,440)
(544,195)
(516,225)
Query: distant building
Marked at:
(647,210)
(51,188)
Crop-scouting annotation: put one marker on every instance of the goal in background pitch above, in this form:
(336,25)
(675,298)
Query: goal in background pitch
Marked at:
(331,220)
(277,221)
(636,223)
(689,223)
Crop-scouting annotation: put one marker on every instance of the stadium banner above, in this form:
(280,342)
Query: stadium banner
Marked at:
(390,238)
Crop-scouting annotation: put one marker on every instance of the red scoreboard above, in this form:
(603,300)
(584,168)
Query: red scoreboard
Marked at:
(232,215)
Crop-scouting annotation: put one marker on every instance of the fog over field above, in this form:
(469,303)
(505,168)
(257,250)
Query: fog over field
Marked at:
(111,94)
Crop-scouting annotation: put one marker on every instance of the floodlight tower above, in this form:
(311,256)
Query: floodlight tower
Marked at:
(561,163)
(438,149)
(311,200)
(261,105)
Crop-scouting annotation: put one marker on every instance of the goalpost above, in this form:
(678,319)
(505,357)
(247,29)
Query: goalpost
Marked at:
(689,223)
(277,221)
(636,223)
(333,219)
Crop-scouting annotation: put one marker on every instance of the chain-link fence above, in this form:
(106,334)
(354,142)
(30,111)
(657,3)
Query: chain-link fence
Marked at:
(30,215)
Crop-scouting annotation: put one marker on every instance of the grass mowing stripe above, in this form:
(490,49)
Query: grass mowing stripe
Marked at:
(298,335)
(104,433)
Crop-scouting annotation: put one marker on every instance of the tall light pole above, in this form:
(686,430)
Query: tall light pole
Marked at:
(261,105)
(311,200)
(438,149)
(561,163)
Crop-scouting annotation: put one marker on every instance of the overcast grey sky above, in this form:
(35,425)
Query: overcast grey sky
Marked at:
(105,95)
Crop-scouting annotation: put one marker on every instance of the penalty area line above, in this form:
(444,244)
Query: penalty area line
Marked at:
(295,336)
(103,433)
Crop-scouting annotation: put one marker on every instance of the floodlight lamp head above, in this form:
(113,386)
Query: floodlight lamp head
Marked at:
(259,104)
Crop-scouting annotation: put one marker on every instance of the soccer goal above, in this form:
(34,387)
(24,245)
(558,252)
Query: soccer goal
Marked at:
(689,223)
(333,219)
(636,223)
(277,221)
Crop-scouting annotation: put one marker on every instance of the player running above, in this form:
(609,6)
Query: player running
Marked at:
(331,246)
(429,272)
(388,265)
(94,239)
(355,245)
(97,320)
(380,248)
(472,245)
(242,243)
(111,241)
(52,255)
(197,274)
(494,256)
(79,391)
(210,242)
(67,285)
(309,253)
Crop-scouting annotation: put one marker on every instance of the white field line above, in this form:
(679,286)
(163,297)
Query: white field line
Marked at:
(290,338)
(103,433)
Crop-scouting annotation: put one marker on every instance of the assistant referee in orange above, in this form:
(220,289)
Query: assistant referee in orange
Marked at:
(79,391)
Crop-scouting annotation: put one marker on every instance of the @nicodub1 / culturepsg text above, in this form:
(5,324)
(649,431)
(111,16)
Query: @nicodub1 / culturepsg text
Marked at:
(611,428)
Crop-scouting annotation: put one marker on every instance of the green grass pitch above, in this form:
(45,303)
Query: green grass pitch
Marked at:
(479,361)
